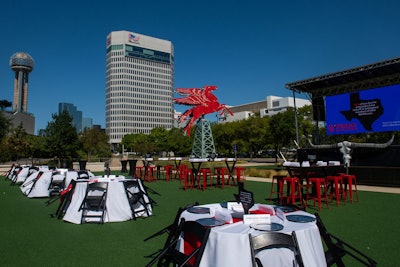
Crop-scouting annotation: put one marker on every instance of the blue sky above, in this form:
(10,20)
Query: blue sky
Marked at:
(249,49)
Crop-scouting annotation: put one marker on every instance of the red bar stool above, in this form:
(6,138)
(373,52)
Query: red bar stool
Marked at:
(150,173)
(221,176)
(278,179)
(336,185)
(319,189)
(139,172)
(240,174)
(168,172)
(350,180)
(207,176)
(160,174)
(188,178)
(181,172)
(293,191)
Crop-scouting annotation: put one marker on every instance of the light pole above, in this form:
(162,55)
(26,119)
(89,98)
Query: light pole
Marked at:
(295,117)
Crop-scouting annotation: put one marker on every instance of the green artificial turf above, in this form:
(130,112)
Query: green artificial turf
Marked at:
(30,237)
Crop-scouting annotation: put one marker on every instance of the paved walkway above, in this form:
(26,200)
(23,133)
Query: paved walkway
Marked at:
(381,189)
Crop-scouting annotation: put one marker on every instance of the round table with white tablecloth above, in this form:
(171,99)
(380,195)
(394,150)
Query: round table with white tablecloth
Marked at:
(117,205)
(229,245)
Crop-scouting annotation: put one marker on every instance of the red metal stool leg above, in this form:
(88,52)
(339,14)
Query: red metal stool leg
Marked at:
(336,188)
(279,183)
(293,191)
(316,184)
(240,174)
(350,180)
(188,178)
(203,173)
(168,172)
(181,172)
(221,176)
(139,172)
(150,174)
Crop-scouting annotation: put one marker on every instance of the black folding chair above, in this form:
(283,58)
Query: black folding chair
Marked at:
(83,174)
(94,204)
(57,183)
(65,199)
(194,234)
(338,248)
(14,175)
(138,199)
(171,229)
(270,240)
(8,174)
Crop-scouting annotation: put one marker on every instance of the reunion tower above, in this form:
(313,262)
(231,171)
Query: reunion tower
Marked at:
(22,64)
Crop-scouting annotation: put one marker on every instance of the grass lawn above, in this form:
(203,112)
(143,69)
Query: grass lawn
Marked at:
(29,237)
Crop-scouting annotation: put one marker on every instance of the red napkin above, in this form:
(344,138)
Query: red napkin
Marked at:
(261,212)
(258,212)
(235,220)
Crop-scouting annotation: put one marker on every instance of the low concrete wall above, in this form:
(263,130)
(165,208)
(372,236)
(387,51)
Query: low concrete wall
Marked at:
(92,166)
(4,169)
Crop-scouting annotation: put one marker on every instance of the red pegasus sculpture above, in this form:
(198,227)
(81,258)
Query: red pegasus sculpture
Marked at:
(204,102)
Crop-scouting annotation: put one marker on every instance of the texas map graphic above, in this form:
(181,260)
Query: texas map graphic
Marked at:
(366,111)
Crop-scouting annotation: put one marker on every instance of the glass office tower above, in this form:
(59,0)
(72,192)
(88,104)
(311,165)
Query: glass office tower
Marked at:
(75,114)
(139,84)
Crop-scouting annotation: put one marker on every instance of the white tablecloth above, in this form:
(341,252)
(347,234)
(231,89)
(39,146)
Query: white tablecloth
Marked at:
(229,245)
(33,187)
(117,205)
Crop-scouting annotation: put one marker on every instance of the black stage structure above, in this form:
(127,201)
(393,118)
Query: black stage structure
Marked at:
(384,167)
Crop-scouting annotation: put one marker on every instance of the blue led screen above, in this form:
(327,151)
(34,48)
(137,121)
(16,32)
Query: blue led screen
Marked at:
(373,110)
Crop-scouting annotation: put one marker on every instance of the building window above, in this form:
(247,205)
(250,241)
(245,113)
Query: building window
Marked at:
(275,104)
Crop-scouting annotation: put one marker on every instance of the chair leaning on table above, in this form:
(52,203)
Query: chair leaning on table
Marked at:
(57,183)
(269,240)
(65,200)
(171,229)
(138,200)
(94,204)
(338,248)
(195,237)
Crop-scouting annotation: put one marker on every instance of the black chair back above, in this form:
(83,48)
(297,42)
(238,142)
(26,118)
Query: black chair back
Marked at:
(270,240)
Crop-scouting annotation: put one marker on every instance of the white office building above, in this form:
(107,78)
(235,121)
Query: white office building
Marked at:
(139,84)
(269,107)
(276,104)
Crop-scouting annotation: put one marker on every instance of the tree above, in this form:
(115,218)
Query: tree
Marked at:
(5,104)
(38,146)
(179,143)
(159,137)
(139,143)
(5,125)
(6,152)
(94,143)
(224,137)
(20,143)
(61,137)
(142,144)
(282,128)
(306,125)
(254,133)
(128,141)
